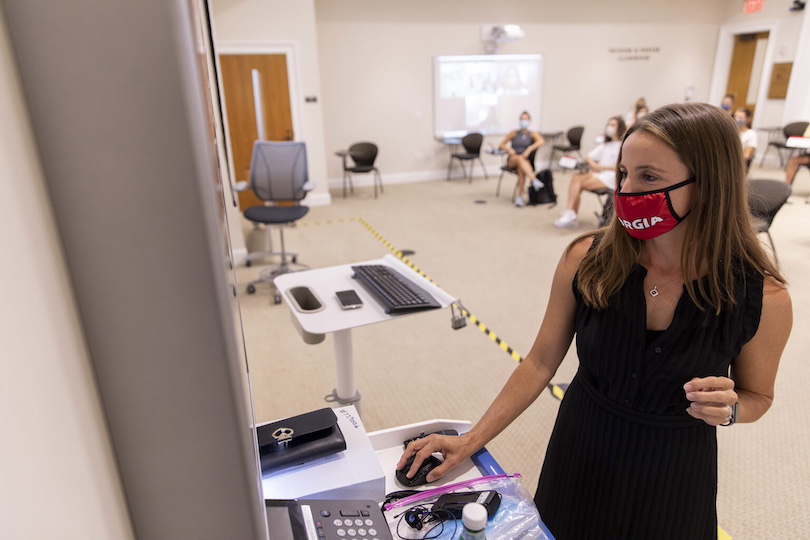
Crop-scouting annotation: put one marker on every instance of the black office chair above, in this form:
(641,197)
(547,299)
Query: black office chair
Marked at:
(794,129)
(574,136)
(279,177)
(806,166)
(605,197)
(511,170)
(363,155)
(748,163)
(765,198)
(472,150)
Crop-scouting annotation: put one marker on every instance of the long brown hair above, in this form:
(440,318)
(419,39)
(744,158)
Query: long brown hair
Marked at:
(720,239)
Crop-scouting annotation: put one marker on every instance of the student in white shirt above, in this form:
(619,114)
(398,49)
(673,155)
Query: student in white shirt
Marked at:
(601,172)
(748,136)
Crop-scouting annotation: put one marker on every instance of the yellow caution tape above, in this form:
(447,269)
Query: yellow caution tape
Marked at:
(558,391)
(304,223)
(472,318)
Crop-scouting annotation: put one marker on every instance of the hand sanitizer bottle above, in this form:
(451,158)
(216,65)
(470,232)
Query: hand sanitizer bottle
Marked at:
(474,518)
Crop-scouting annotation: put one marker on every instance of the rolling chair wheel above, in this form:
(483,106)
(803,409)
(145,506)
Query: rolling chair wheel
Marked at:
(248,263)
(251,289)
(277,298)
(295,259)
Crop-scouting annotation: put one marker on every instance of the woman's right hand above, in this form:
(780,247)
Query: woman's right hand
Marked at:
(454,449)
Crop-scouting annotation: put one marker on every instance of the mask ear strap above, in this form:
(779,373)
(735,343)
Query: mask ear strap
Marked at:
(669,201)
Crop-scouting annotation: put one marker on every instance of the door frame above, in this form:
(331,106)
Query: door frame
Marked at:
(287,48)
(724,51)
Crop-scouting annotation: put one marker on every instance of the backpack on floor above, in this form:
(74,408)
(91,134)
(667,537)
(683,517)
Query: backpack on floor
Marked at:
(544,195)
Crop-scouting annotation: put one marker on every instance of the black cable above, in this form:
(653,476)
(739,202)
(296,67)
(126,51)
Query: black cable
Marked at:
(418,516)
(397,495)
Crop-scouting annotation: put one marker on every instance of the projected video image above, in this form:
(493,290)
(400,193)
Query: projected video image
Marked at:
(485,93)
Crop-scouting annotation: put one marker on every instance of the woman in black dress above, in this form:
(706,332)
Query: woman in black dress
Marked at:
(680,320)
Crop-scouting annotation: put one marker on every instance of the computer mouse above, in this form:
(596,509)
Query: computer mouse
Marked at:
(420,478)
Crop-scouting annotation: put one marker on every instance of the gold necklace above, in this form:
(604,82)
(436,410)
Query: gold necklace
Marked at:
(654,291)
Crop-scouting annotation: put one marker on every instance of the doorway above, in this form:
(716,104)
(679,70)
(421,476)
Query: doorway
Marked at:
(745,70)
(237,91)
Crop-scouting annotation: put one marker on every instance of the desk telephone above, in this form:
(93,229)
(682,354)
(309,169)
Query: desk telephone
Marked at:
(325,520)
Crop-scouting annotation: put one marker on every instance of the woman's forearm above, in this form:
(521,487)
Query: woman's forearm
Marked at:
(524,386)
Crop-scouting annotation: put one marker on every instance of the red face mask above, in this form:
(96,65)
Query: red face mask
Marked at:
(648,214)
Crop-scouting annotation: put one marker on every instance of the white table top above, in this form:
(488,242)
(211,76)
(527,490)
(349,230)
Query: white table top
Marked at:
(325,282)
(798,142)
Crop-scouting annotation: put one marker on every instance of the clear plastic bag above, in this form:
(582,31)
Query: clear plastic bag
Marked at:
(516,518)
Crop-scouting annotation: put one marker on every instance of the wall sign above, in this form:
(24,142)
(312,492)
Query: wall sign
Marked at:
(752,6)
(634,54)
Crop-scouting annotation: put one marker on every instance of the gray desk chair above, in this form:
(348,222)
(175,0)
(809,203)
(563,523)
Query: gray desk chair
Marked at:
(794,129)
(278,176)
(511,170)
(472,150)
(765,198)
(363,154)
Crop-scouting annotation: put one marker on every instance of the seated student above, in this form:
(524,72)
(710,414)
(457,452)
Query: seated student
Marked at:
(727,103)
(748,136)
(601,173)
(793,165)
(519,144)
(638,111)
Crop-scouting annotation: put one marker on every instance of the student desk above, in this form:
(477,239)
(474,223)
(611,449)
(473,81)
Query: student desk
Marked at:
(798,142)
(319,314)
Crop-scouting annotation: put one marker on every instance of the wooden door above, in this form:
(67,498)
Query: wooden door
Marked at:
(744,64)
(237,91)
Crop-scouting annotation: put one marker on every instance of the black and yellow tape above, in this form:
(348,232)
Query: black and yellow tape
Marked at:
(491,335)
(321,222)
(472,318)
(557,391)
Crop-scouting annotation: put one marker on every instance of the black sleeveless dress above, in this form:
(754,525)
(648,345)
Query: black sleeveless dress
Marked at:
(625,460)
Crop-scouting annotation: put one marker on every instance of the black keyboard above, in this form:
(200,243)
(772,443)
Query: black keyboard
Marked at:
(395,292)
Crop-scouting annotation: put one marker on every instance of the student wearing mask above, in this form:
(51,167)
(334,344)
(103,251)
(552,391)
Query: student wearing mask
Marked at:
(727,103)
(639,110)
(680,319)
(601,173)
(519,145)
(748,137)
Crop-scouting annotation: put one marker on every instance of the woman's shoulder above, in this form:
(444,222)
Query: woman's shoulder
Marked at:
(774,291)
(580,247)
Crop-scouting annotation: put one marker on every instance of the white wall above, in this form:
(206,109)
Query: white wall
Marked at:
(376,66)
(785,41)
(59,479)
(261,25)
(374,62)
(390,102)
(797,104)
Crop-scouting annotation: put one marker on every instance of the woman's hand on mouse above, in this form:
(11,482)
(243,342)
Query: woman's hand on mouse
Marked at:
(454,450)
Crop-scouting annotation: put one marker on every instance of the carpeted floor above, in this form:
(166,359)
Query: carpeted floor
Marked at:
(498,260)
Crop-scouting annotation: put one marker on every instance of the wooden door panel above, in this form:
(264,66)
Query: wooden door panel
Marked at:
(237,92)
(742,65)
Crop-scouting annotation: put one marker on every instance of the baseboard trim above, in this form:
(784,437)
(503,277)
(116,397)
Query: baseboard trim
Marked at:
(239,256)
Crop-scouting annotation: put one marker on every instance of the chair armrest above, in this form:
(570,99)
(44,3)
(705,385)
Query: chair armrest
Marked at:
(309,186)
(241,186)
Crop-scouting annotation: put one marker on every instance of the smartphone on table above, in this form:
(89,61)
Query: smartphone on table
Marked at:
(349,299)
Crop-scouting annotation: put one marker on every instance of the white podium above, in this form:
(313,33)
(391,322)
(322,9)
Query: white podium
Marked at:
(315,312)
